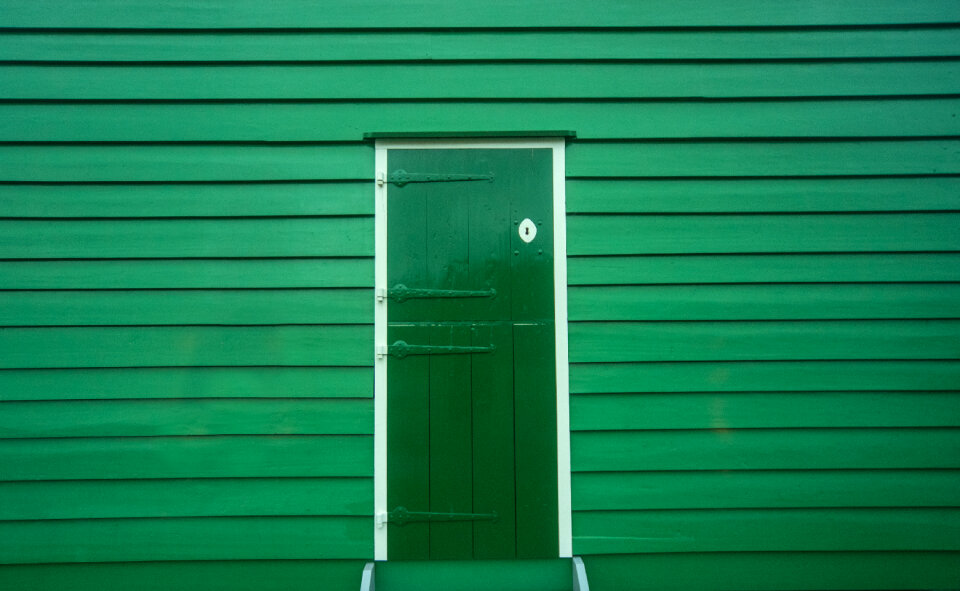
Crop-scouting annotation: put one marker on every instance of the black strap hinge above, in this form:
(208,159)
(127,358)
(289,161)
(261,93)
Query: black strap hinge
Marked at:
(402,516)
(401,293)
(401,177)
(401,349)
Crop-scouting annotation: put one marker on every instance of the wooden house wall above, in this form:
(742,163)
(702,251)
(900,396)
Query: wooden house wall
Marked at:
(764,256)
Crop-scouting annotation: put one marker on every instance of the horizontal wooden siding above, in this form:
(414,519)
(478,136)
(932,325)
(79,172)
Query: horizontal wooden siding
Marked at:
(764,281)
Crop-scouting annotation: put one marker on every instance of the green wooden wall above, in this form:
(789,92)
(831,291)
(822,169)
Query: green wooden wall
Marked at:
(764,238)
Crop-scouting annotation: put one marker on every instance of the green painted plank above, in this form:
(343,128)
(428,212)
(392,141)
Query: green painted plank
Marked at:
(751,410)
(762,158)
(746,530)
(296,46)
(237,307)
(249,237)
(347,121)
(207,497)
(236,575)
(186,346)
(200,162)
(763,302)
(751,341)
(494,427)
(761,233)
(219,538)
(185,200)
(137,418)
(438,575)
(793,268)
(763,376)
(408,430)
(450,433)
(444,80)
(189,382)
(186,457)
(535,436)
(764,489)
(763,571)
(781,195)
(443,240)
(765,449)
(195,274)
(497,13)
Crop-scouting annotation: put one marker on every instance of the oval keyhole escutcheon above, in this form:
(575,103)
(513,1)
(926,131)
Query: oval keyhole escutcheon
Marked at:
(527,230)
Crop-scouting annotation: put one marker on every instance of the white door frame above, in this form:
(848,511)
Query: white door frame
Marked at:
(557,145)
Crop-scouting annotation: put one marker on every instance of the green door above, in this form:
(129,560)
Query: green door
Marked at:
(471,378)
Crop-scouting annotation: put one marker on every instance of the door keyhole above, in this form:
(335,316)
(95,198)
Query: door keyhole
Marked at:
(527,230)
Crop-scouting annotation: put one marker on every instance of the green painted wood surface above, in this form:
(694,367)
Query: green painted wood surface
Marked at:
(762,233)
(187,273)
(347,120)
(758,340)
(108,458)
(186,382)
(784,489)
(762,158)
(190,238)
(413,427)
(136,418)
(184,162)
(185,200)
(746,268)
(450,430)
(536,413)
(812,116)
(764,302)
(486,80)
(215,538)
(394,45)
(753,530)
(499,13)
(611,412)
(408,422)
(195,307)
(195,575)
(516,575)
(765,570)
(764,376)
(473,433)
(765,449)
(494,408)
(762,195)
(209,497)
(534,364)
(186,346)
(840,570)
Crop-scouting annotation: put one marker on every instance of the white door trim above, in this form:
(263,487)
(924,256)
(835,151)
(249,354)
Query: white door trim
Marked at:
(560,306)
